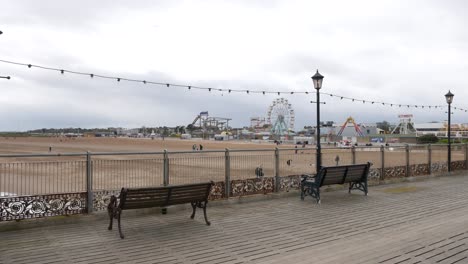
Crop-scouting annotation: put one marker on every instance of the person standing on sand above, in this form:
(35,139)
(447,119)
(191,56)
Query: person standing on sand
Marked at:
(201,147)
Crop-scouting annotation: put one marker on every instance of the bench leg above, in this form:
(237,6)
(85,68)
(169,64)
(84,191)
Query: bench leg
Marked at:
(204,213)
(111,207)
(362,186)
(200,205)
(194,208)
(119,214)
(317,195)
(302,191)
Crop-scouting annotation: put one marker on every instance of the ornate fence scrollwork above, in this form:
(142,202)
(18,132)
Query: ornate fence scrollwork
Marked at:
(252,186)
(23,207)
(395,172)
(290,182)
(439,167)
(458,165)
(217,191)
(419,169)
(374,174)
(101,199)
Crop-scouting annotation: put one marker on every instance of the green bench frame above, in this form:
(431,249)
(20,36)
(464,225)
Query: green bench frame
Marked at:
(355,175)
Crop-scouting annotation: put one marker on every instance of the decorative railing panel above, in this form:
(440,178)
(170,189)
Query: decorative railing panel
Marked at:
(252,186)
(218,191)
(374,174)
(23,207)
(439,167)
(419,169)
(292,182)
(458,165)
(395,172)
(101,199)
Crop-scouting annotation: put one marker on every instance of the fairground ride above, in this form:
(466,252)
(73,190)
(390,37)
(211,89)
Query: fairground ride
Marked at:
(350,120)
(281,117)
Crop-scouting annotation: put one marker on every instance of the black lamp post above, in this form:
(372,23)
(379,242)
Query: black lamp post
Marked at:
(449,98)
(318,78)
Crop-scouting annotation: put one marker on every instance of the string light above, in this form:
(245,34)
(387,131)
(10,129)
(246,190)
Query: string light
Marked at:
(118,79)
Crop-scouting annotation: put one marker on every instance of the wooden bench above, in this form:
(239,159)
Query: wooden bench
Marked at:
(138,198)
(355,175)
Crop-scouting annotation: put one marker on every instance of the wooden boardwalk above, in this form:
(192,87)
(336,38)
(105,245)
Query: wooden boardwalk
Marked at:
(418,222)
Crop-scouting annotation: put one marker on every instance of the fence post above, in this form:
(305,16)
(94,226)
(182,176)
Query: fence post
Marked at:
(382,160)
(353,155)
(466,156)
(407,149)
(429,158)
(277,175)
(227,173)
(165,175)
(89,183)
(166,168)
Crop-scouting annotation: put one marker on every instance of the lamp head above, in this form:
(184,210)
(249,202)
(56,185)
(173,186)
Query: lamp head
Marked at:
(449,97)
(317,78)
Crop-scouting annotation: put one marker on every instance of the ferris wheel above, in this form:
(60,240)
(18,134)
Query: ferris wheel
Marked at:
(281,117)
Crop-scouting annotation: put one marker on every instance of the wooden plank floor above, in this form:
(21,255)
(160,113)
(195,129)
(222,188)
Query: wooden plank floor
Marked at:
(418,222)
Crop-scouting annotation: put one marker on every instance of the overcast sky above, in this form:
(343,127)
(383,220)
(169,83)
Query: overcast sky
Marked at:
(408,52)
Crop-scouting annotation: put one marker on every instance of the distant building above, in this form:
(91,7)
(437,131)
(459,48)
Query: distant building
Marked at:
(437,129)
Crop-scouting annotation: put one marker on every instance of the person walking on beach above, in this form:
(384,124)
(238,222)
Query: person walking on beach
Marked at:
(201,147)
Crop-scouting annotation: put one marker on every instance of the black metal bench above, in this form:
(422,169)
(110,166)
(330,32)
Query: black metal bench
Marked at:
(138,198)
(355,175)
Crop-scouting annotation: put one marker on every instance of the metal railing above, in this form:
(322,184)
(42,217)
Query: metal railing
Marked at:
(44,174)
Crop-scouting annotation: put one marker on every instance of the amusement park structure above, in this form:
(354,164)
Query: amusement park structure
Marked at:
(406,125)
(350,120)
(208,125)
(280,117)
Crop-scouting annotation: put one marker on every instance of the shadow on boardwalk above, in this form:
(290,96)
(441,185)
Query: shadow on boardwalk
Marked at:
(418,222)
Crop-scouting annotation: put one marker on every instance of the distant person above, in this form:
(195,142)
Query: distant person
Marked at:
(194,147)
(288,162)
(201,147)
(259,172)
(50,148)
(295,151)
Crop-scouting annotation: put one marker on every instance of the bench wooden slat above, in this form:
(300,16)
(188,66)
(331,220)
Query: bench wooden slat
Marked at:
(143,204)
(132,198)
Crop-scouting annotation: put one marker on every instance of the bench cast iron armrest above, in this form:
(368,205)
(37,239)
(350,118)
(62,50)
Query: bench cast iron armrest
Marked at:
(305,177)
